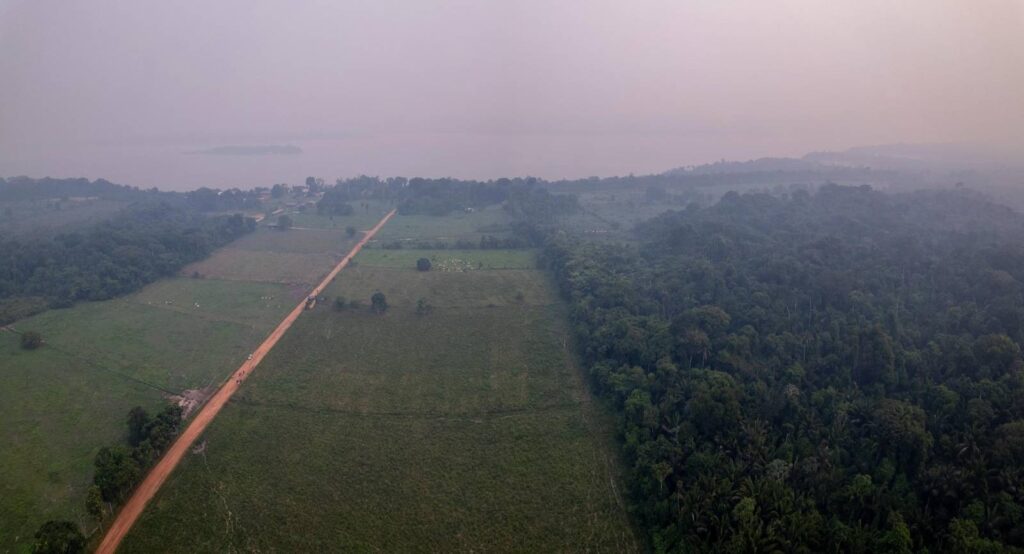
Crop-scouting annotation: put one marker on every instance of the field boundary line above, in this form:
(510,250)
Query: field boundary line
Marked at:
(156,477)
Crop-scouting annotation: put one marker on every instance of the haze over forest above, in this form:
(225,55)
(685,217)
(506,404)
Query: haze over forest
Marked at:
(280,90)
(664,276)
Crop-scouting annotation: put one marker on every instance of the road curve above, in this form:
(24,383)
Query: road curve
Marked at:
(142,494)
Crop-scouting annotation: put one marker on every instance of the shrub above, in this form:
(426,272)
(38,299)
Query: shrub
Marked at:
(379,302)
(59,537)
(30,340)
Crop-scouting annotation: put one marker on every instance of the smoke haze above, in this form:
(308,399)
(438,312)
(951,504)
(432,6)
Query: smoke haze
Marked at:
(124,90)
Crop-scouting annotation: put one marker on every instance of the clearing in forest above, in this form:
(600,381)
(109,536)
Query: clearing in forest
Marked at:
(456,424)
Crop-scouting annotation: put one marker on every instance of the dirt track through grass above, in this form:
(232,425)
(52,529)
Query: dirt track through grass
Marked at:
(162,470)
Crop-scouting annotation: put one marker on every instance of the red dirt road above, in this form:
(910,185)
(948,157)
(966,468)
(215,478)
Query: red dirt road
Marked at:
(156,477)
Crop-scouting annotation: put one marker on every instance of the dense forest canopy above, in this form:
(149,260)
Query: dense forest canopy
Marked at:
(837,371)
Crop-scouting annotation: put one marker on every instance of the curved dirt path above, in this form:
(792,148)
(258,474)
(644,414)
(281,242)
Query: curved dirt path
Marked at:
(132,509)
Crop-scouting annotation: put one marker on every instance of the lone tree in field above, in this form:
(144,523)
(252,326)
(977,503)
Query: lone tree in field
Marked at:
(379,303)
(30,340)
(59,537)
(284,222)
(340,303)
(423,264)
(350,231)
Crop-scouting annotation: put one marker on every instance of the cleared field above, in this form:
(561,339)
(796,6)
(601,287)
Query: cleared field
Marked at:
(295,256)
(361,219)
(272,267)
(464,429)
(62,403)
(445,289)
(163,344)
(458,226)
(529,482)
(57,411)
(480,361)
(449,260)
(298,241)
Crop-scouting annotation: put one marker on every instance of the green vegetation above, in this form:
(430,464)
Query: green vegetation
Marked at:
(363,218)
(30,340)
(468,226)
(378,302)
(449,260)
(58,537)
(458,427)
(47,217)
(115,257)
(298,256)
(119,468)
(830,372)
(301,241)
(61,403)
(448,289)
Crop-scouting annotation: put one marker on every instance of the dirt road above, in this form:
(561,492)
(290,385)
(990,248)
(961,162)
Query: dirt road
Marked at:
(156,477)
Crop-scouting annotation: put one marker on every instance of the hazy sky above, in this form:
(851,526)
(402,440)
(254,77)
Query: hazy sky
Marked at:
(482,88)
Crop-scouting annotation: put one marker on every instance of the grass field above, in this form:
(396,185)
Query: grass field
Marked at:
(62,403)
(273,267)
(361,219)
(57,410)
(298,241)
(448,289)
(449,260)
(295,256)
(458,226)
(465,429)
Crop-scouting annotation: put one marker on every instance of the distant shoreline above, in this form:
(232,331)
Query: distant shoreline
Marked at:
(263,150)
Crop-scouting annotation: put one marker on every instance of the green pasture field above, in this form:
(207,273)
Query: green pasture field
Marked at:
(62,403)
(233,264)
(449,260)
(58,410)
(298,241)
(445,289)
(361,219)
(295,256)
(480,361)
(464,429)
(457,226)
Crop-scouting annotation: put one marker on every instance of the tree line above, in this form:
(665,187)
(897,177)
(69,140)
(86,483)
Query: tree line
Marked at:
(118,469)
(135,247)
(828,372)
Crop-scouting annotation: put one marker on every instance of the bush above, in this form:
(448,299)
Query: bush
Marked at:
(30,340)
(379,302)
(59,537)
(339,303)
(350,231)
(423,264)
